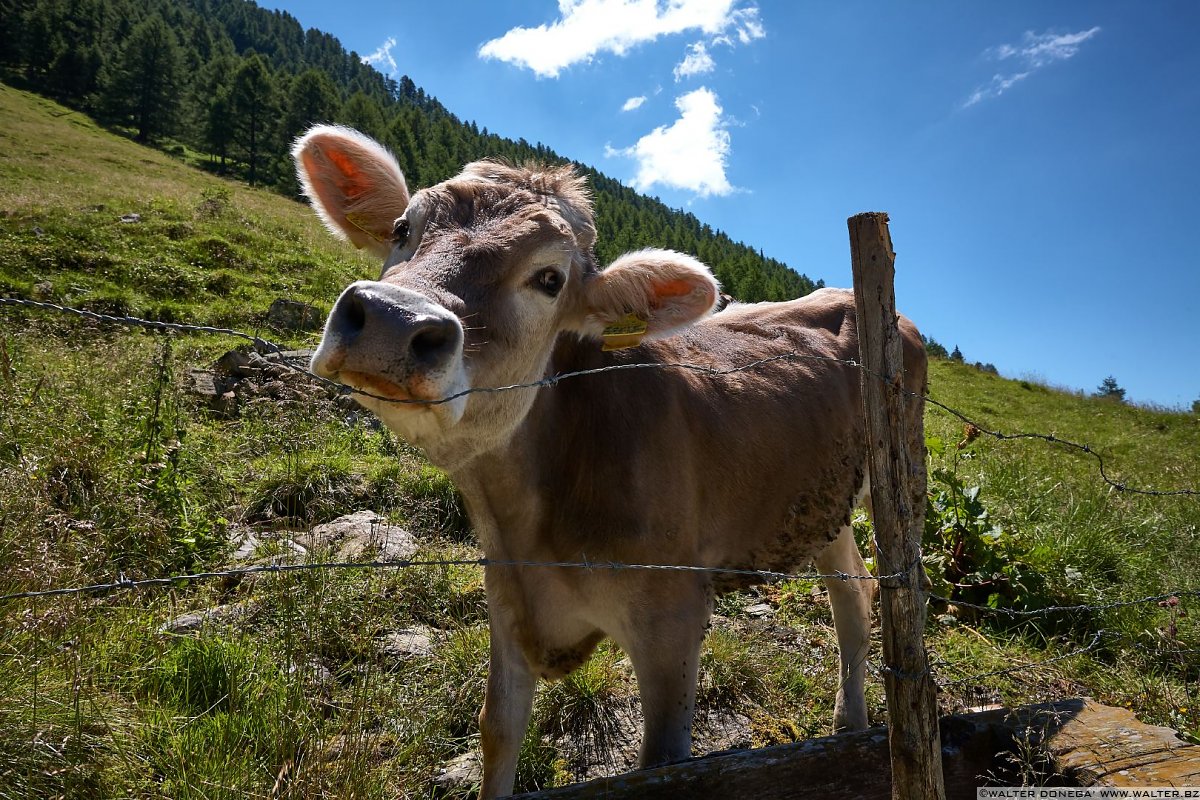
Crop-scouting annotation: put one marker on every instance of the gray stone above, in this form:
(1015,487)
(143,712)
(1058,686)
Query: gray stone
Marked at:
(128,218)
(722,730)
(760,610)
(247,543)
(193,621)
(235,362)
(461,773)
(406,644)
(292,315)
(43,290)
(206,384)
(359,534)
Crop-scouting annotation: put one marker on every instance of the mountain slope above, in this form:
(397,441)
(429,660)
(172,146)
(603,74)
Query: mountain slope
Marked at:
(238,83)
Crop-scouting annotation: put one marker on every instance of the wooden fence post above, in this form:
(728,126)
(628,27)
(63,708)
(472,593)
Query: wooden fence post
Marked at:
(913,739)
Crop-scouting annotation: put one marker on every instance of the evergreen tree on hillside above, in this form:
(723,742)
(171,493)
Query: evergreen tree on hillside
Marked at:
(211,126)
(253,102)
(1109,389)
(363,114)
(146,80)
(311,99)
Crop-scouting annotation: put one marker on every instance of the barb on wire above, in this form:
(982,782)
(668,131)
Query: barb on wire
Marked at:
(553,380)
(125,584)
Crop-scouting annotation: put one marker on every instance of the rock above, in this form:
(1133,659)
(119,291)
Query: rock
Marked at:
(406,644)
(206,384)
(43,290)
(723,730)
(607,747)
(297,357)
(464,772)
(128,218)
(250,543)
(193,621)
(246,541)
(292,315)
(214,391)
(314,674)
(355,535)
(760,610)
(235,362)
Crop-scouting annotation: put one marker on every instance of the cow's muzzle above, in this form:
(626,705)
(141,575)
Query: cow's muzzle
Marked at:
(390,341)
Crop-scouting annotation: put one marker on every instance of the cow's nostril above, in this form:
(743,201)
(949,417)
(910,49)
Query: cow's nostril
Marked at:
(434,342)
(353,315)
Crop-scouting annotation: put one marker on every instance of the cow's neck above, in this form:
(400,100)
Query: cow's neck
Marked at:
(502,485)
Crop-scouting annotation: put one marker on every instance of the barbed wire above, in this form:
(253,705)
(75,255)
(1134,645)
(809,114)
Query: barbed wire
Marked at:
(553,380)
(1014,613)
(1097,638)
(125,584)
(1087,449)
(151,324)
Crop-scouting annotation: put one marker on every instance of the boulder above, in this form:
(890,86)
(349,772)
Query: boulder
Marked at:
(355,536)
(292,315)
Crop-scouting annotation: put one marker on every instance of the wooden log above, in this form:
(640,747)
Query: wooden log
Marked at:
(1098,745)
(898,514)
(1080,741)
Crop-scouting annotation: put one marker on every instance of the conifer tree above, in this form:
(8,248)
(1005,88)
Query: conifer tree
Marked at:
(253,102)
(146,80)
(1109,389)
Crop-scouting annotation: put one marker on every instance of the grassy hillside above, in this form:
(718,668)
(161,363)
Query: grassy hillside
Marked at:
(366,684)
(203,249)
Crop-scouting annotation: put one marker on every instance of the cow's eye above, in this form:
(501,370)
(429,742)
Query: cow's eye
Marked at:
(400,232)
(549,281)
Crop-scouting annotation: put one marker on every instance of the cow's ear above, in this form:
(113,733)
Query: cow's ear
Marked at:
(650,293)
(355,185)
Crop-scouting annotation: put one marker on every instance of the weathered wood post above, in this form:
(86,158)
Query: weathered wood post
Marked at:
(897,497)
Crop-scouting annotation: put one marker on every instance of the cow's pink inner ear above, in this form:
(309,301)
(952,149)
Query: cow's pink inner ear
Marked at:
(680,301)
(665,289)
(355,185)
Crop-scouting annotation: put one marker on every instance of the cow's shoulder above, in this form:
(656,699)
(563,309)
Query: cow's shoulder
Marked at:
(823,320)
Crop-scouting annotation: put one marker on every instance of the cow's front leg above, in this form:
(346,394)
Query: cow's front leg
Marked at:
(664,646)
(507,704)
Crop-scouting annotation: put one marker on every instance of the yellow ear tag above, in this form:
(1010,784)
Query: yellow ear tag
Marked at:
(358,221)
(624,333)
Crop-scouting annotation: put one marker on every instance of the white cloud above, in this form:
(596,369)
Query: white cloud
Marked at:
(696,62)
(747,24)
(1035,51)
(634,102)
(588,27)
(382,57)
(690,153)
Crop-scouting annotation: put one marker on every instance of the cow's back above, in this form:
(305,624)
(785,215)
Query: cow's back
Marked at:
(756,468)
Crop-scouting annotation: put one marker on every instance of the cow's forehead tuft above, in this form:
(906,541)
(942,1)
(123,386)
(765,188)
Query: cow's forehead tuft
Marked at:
(488,190)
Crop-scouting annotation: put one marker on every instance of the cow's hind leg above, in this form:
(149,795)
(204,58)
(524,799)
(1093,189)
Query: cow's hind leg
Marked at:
(851,602)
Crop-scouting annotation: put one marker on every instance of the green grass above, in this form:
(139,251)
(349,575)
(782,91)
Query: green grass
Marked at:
(109,467)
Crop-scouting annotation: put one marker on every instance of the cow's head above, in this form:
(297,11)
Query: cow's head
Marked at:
(481,274)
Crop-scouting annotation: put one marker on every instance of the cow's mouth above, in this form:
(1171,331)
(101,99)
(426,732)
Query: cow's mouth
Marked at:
(378,387)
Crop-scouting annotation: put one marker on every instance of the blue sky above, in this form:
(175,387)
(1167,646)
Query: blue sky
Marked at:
(1039,160)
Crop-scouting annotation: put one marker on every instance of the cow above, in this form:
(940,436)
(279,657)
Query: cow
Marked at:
(489,279)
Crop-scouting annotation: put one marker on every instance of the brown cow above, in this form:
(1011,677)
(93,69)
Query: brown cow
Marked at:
(489,279)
